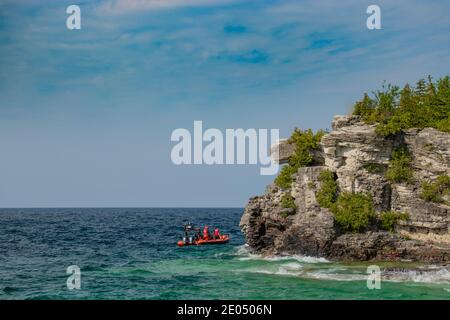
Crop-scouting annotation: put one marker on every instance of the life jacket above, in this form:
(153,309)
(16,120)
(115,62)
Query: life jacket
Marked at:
(216,232)
(205,232)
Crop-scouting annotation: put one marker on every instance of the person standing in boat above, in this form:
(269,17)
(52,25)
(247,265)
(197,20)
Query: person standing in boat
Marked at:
(216,233)
(206,233)
(197,235)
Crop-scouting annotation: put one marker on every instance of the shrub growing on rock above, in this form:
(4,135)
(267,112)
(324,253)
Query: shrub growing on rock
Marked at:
(400,166)
(287,201)
(305,142)
(327,194)
(353,211)
(311,185)
(284,179)
(374,168)
(434,191)
(444,125)
(389,219)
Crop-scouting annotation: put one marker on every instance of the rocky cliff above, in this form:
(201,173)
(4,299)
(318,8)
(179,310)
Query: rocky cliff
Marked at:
(359,158)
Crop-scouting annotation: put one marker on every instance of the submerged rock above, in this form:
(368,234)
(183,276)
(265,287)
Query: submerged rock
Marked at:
(359,157)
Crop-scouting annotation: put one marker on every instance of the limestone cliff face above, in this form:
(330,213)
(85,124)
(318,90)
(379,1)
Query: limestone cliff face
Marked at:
(348,150)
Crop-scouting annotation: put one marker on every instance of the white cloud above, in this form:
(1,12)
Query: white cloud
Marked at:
(126,6)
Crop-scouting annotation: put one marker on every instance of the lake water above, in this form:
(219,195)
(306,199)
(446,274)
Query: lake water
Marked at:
(132,254)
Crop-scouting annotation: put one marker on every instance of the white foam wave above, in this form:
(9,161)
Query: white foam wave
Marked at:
(289,269)
(245,254)
(299,258)
(435,275)
(296,265)
(292,266)
(335,276)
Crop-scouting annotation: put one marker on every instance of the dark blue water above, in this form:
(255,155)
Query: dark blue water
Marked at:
(132,254)
(37,245)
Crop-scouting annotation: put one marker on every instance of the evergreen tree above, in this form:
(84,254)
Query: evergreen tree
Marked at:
(425,105)
(421,88)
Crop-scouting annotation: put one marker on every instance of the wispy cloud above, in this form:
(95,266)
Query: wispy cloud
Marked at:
(127,6)
(263,45)
(253,56)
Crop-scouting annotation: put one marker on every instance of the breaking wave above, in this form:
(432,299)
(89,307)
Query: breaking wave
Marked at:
(439,275)
(322,269)
(245,254)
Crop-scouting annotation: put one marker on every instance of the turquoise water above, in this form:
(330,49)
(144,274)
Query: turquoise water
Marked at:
(132,254)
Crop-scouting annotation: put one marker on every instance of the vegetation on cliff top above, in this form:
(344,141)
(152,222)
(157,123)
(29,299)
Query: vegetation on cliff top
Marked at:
(305,141)
(427,104)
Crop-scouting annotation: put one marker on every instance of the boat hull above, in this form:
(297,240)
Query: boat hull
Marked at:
(223,239)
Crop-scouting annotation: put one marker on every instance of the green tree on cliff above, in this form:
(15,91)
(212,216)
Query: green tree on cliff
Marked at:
(425,105)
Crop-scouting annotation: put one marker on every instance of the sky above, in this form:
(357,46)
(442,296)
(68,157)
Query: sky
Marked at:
(86,115)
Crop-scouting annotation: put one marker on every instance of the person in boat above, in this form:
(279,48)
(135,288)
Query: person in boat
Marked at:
(206,233)
(187,239)
(216,233)
(196,234)
(186,233)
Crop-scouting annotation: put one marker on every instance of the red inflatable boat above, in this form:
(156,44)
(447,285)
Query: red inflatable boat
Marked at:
(224,238)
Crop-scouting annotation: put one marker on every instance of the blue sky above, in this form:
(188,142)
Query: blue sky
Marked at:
(86,115)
